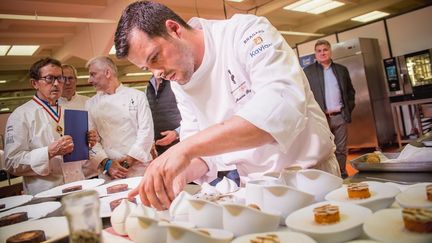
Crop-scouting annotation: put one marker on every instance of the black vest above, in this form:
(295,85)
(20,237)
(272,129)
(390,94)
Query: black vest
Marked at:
(166,115)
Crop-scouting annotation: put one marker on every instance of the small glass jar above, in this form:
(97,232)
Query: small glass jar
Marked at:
(82,212)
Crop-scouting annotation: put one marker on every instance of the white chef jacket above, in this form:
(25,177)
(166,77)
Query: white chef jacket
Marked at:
(248,70)
(124,123)
(77,102)
(29,131)
(88,167)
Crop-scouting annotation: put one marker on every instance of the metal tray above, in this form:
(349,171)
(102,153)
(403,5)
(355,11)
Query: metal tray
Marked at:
(359,164)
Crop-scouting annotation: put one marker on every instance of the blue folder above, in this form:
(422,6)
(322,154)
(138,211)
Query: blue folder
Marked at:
(76,125)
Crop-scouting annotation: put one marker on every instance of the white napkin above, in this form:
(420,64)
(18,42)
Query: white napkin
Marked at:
(413,154)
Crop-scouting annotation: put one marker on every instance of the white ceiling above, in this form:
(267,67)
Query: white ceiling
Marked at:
(76,42)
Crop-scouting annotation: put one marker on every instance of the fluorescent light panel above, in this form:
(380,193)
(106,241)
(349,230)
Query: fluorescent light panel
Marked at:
(313,6)
(5,109)
(370,16)
(299,33)
(4,49)
(83,76)
(138,74)
(18,50)
(2,81)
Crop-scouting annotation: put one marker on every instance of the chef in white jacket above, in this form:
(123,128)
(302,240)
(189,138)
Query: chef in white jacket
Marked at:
(122,118)
(34,139)
(243,98)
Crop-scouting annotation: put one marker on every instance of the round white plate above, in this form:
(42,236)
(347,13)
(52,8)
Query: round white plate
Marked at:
(57,191)
(11,202)
(414,197)
(54,227)
(104,208)
(284,236)
(404,187)
(131,182)
(349,227)
(382,195)
(34,211)
(387,225)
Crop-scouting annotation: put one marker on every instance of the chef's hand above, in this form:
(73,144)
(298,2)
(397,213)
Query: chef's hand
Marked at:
(163,178)
(116,170)
(92,138)
(62,146)
(168,138)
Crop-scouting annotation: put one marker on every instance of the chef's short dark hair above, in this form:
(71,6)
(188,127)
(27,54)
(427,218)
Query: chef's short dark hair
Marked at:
(35,68)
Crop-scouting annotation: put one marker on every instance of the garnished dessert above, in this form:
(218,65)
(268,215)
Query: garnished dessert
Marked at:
(72,189)
(358,190)
(372,158)
(268,238)
(417,219)
(115,203)
(13,218)
(326,214)
(429,192)
(117,188)
(31,236)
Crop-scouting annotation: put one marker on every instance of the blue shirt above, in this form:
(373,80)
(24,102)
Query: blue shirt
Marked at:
(333,96)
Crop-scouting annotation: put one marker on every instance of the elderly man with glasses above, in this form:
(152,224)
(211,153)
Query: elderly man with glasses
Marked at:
(35,142)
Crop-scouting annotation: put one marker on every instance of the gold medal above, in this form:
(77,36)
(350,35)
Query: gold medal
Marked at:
(59,130)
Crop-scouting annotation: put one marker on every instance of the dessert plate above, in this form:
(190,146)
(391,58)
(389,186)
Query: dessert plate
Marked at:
(57,191)
(414,197)
(387,226)
(105,209)
(34,211)
(284,236)
(131,182)
(349,227)
(382,196)
(14,201)
(54,228)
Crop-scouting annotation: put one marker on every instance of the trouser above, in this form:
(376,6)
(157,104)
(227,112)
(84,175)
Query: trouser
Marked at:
(338,127)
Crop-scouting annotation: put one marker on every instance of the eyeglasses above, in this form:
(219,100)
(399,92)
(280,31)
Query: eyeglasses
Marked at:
(50,79)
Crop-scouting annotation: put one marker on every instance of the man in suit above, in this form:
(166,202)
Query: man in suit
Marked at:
(333,90)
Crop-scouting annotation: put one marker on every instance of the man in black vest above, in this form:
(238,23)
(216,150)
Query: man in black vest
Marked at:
(166,116)
(333,90)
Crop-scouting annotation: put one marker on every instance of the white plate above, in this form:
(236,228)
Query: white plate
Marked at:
(131,182)
(105,210)
(414,197)
(387,225)
(404,187)
(284,237)
(349,227)
(11,202)
(54,227)
(35,211)
(382,196)
(57,191)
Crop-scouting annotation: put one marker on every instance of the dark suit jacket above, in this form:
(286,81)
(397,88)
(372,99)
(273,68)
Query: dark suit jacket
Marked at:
(315,75)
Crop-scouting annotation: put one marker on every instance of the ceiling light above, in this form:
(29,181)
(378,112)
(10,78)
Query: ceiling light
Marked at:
(83,76)
(112,50)
(236,1)
(18,50)
(4,49)
(56,19)
(138,74)
(313,6)
(299,33)
(4,109)
(2,81)
(370,16)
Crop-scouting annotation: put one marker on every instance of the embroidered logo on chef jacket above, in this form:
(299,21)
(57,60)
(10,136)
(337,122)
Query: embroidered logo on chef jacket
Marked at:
(258,40)
(133,106)
(241,91)
(252,35)
(260,49)
(9,135)
(232,77)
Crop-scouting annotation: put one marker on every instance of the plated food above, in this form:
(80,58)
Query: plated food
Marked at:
(72,189)
(117,188)
(358,190)
(273,237)
(31,236)
(13,218)
(14,201)
(415,197)
(387,225)
(417,219)
(326,214)
(113,204)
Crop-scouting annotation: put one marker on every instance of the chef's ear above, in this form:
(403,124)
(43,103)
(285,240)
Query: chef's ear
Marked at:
(34,83)
(173,28)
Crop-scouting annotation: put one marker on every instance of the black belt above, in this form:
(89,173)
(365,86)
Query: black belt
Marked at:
(333,113)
